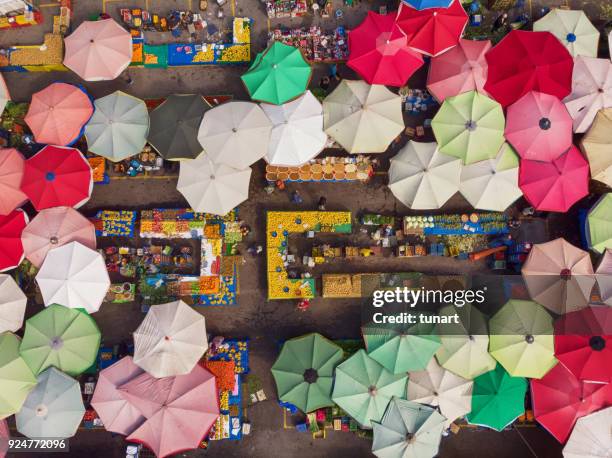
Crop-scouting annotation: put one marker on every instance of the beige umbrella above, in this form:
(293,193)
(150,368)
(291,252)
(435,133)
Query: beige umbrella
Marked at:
(362,118)
(12,304)
(603,274)
(559,276)
(597,144)
(591,437)
(4,94)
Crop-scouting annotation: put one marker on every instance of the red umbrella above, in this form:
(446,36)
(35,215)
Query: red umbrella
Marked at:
(559,399)
(583,343)
(557,185)
(11,249)
(434,30)
(57,176)
(379,51)
(528,61)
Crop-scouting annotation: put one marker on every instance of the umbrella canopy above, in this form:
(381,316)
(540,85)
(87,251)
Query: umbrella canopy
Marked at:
(236,134)
(57,176)
(559,399)
(379,51)
(559,276)
(555,186)
(440,388)
(5,97)
(58,113)
(297,131)
(498,399)
(12,304)
(603,275)
(74,276)
(277,75)
(401,348)
(5,434)
(354,110)
(54,227)
(11,248)
(599,224)
(434,30)
(98,50)
(12,164)
(424,4)
(53,409)
(591,436)
(591,91)
(408,429)
(423,178)
(464,349)
(179,410)
(304,370)
(461,69)
(492,184)
(363,388)
(522,339)
(119,126)
(117,414)
(65,338)
(573,29)
(539,127)
(596,145)
(170,340)
(528,61)
(16,378)
(174,126)
(211,188)
(469,126)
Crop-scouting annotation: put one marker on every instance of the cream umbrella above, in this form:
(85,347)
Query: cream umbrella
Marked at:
(591,436)
(597,144)
(211,188)
(362,118)
(573,29)
(12,304)
(5,97)
(235,134)
(492,184)
(170,340)
(423,178)
(603,275)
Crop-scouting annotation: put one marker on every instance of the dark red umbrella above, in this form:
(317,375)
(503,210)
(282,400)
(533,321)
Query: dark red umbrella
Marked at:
(11,249)
(57,177)
(434,30)
(528,61)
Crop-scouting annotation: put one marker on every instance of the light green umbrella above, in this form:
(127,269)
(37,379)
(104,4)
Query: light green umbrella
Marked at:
(599,224)
(68,339)
(498,399)
(304,370)
(363,388)
(469,126)
(408,430)
(16,378)
(277,75)
(401,348)
(521,339)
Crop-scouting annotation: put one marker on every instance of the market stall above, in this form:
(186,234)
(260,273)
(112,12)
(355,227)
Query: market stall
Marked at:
(286,8)
(316,44)
(353,168)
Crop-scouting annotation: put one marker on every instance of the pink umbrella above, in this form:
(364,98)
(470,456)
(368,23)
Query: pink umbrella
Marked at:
(4,435)
(98,50)
(539,127)
(117,414)
(555,186)
(12,164)
(462,69)
(54,227)
(179,410)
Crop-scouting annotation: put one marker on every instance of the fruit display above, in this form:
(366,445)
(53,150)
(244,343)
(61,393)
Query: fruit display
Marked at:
(241,29)
(234,53)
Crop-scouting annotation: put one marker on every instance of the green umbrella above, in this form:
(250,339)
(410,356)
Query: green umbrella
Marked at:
(363,388)
(304,370)
(65,338)
(401,348)
(277,75)
(599,224)
(469,126)
(498,399)
(521,339)
(16,378)
(408,429)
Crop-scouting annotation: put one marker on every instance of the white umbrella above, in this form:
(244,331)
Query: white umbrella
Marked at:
(591,436)
(73,276)
(492,184)
(297,132)
(170,340)
(211,188)
(4,94)
(603,275)
(573,29)
(12,304)
(235,134)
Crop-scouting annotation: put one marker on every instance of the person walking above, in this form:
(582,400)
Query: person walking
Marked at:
(296,197)
(322,203)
